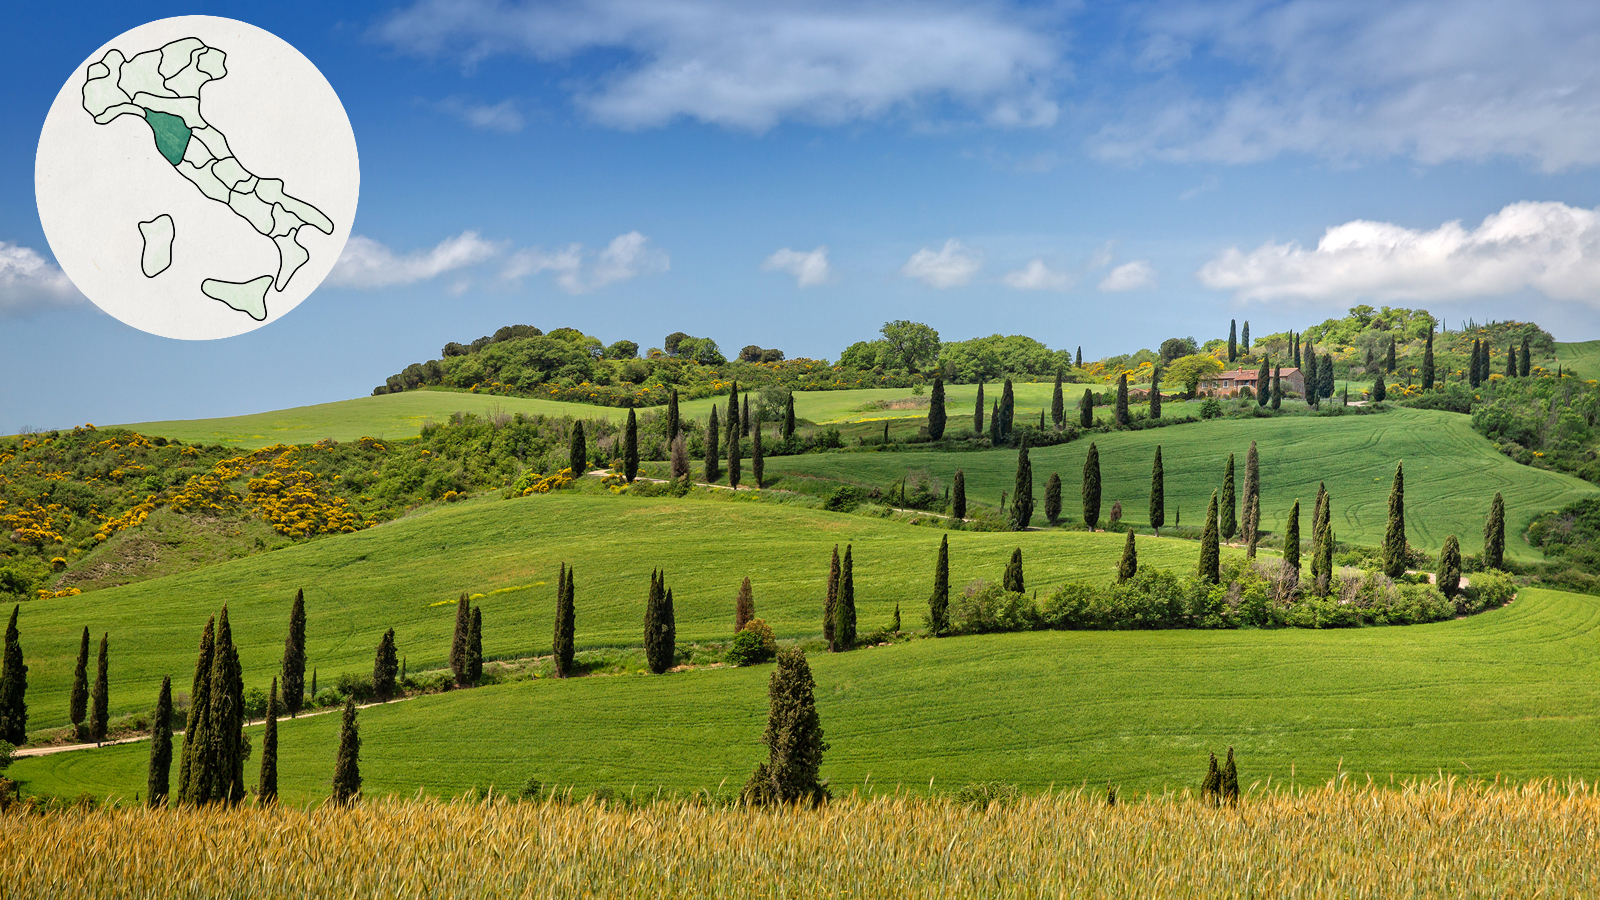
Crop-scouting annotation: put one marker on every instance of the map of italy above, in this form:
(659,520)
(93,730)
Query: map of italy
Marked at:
(162,87)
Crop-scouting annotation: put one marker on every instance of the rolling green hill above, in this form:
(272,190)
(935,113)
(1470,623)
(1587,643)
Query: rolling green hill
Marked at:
(1511,692)
(408,573)
(1452,473)
(1581,358)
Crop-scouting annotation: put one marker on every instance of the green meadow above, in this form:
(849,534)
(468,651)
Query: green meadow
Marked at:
(1581,358)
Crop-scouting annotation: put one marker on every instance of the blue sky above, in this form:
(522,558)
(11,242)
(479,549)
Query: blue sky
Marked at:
(794,175)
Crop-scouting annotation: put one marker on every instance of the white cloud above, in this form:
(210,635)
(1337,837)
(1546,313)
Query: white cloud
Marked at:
(1550,248)
(1430,80)
(751,65)
(368,264)
(29,282)
(952,266)
(809,268)
(627,256)
(1135,276)
(503,117)
(1036,276)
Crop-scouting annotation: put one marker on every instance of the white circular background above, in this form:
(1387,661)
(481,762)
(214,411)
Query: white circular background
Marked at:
(96,183)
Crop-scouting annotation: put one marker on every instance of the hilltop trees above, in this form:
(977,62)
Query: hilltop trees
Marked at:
(793,738)
(1052,499)
(99,698)
(1494,536)
(1022,499)
(630,449)
(562,644)
(958,496)
(1129,565)
(1526,347)
(660,625)
(1158,494)
(939,602)
(1091,488)
(385,667)
(916,344)
(1210,553)
(1394,538)
(347,767)
(1228,521)
(159,775)
(461,642)
(78,706)
(1511,360)
(267,786)
(294,657)
(1244,339)
(936,411)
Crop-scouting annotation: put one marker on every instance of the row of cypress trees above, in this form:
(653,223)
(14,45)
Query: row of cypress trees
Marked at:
(95,702)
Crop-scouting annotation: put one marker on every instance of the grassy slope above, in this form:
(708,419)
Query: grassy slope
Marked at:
(1581,358)
(1452,473)
(407,574)
(1509,692)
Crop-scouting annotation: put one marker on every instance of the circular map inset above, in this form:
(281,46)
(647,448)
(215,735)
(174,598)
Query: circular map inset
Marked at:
(197,177)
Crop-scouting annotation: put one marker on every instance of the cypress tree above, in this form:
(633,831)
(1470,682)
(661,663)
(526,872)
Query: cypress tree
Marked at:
(844,611)
(661,631)
(1473,365)
(977,412)
(13,687)
(1086,409)
(744,413)
(793,736)
(1130,560)
(1310,374)
(733,411)
(744,608)
(460,642)
(1158,494)
(832,600)
(1233,339)
(886,432)
(1079,362)
(1211,788)
(1008,410)
(579,451)
(194,731)
(1244,338)
(1155,393)
(630,449)
(1091,488)
(1388,362)
(680,459)
(1294,341)
(735,459)
(1494,535)
(1277,387)
(936,411)
(1449,576)
(475,646)
(1022,497)
(159,775)
(267,787)
(958,497)
(1291,539)
(561,646)
(1322,540)
(1380,391)
(758,462)
(1523,368)
(1124,420)
(1264,380)
(712,455)
(1394,539)
(1427,362)
(347,768)
(1483,364)
(1511,361)
(996,424)
(939,602)
(1058,405)
(99,698)
(1327,377)
(313,682)
(1228,511)
(294,657)
(788,416)
(79,705)
(1013,577)
(1210,554)
(1230,781)
(672,415)
(1052,499)
(218,766)
(385,667)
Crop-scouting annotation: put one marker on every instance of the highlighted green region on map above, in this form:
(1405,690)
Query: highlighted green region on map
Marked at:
(162,87)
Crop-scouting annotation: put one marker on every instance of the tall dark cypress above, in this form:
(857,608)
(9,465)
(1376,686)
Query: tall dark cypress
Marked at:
(1210,553)
(939,602)
(1052,499)
(1484,364)
(1079,362)
(221,758)
(267,786)
(788,416)
(733,411)
(1380,391)
(793,736)
(1251,527)
(758,459)
(1317,523)
(735,461)
(1058,405)
(977,413)
(1322,565)
(1129,565)
(844,612)
(936,410)
(1522,369)
(1233,340)
(1158,494)
(1326,376)
(1388,360)
(1091,488)
(1277,387)
(1230,781)
(1008,410)
(293,670)
(1511,361)
(1309,372)
(460,642)
(744,606)
(190,784)
(958,496)
(1264,380)
(1228,520)
(1086,409)
(630,449)
(1294,341)
(997,432)
(661,631)
(744,414)
(713,456)
(578,451)
(1155,393)
(1475,364)
(1012,580)
(99,698)
(158,778)
(1211,787)
(1291,539)
(347,767)
(13,687)
(832,597)
(1244,339)
(1124,419)
(1494,535)
(1022,498)
(562,645)
(672,415)
(1449,575)
(1427,362)
(385,667)
(1394,538)
(79,705)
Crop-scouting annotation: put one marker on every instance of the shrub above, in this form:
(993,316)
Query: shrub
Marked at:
(755,643)
(985,608)
(1492,588)
(1211,408)
(353,685)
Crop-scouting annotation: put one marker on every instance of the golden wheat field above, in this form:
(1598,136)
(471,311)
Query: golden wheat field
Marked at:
(1440,838)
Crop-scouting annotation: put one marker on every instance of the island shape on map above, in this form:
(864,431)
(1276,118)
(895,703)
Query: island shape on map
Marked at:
(158,234)
(162,87)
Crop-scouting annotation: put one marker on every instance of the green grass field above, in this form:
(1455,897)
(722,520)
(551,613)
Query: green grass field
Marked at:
(1581,358)
(1512,692)
(407,575)
(1452,473)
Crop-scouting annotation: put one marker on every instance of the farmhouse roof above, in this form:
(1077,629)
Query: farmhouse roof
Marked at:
(1248,374)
